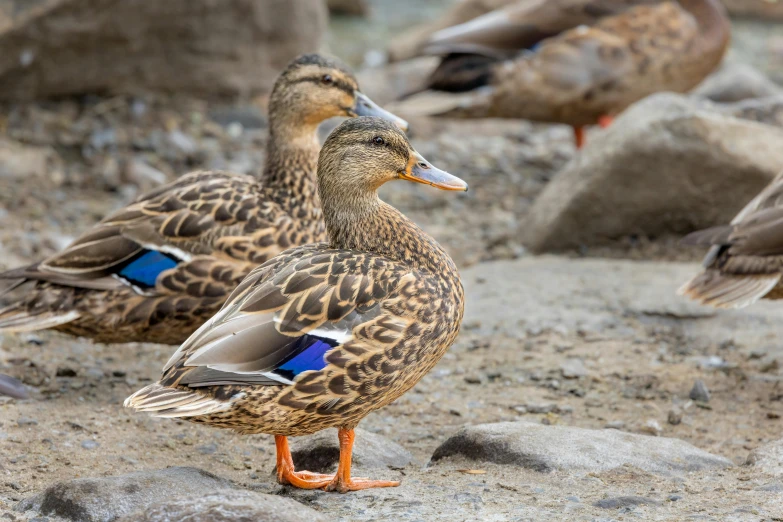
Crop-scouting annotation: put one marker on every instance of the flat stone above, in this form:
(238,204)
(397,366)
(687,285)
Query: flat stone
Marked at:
(768,458)
(320,452)
(621,502)
(735,82)
(549,448)
(227,506)
(573,368)
(101,499)
(638,177)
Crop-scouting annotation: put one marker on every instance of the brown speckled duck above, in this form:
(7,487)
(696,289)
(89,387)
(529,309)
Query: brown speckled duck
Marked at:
(577,62)
(155,270)
(323,334)
(745,260)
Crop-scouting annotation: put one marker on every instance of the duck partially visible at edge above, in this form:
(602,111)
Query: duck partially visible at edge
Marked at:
(577,62)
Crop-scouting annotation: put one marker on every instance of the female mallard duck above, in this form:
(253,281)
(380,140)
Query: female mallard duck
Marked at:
(745,260)
(581,62)
(323,334)
(156,270)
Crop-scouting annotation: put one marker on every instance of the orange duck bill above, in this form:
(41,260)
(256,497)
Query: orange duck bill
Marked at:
(421,171)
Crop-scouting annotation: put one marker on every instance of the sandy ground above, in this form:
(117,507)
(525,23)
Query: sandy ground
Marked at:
(641,346)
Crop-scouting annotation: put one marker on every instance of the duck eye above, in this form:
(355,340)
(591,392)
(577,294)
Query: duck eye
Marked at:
(327,79)
(379,141)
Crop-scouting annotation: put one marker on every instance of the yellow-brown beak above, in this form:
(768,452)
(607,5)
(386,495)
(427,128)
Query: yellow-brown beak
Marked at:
(422,171)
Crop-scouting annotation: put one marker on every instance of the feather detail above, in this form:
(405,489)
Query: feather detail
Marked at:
(711,288)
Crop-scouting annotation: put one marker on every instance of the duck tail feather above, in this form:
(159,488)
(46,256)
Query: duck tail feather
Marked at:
(712,288)
(163,401)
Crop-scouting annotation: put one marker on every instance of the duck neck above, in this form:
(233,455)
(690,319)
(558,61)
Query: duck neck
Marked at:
(364,223)
(291,163)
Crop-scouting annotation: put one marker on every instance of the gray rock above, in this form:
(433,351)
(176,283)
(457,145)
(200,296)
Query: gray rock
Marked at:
(621,502)
(767,110)
(573,368)
(198,47)
(735,82)
(667,165)
(107,498)
(768,458)
(548,448)
(227,506)
(699,392)
(321,452)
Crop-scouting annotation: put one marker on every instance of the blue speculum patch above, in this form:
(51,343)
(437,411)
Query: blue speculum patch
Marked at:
(310,358)
(145,268)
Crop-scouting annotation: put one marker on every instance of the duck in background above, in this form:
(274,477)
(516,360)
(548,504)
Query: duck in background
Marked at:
(323,334)
(745,260)
(576,62)
(156,270)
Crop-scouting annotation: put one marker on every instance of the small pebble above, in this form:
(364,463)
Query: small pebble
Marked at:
(26,421)
(699,392)
(615,425)
(675,416)
(573,368)
(652,427)
(89,444)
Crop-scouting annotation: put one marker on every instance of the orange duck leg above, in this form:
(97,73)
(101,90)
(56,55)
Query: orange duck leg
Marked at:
(285,469)
(580,134)
(342,481)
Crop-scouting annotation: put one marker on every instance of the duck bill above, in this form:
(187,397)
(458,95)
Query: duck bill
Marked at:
(422,171)
(364,106)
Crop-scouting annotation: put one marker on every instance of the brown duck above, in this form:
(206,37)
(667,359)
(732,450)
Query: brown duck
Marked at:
(577,62)
(155,270)
(323,334)
(745,260)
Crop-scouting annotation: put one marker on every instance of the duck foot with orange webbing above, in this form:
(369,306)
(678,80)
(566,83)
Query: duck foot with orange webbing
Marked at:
(340,481)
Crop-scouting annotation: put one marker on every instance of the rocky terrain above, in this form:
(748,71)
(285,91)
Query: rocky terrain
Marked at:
(581,386)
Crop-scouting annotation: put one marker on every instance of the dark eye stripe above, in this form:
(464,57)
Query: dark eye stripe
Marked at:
(343,86)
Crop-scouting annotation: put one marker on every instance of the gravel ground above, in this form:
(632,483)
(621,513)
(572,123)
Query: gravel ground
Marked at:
(557,341)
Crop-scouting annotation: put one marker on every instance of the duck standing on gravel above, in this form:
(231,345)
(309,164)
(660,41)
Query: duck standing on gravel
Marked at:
(745,260)
(577,62)
(323,334)
(155,270)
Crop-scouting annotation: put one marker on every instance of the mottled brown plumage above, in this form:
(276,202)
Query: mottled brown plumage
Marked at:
(213,227)
(580,59)
(384,294)
(745,261)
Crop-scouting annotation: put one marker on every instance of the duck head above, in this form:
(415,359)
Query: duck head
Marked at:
(314,88)
(364,153)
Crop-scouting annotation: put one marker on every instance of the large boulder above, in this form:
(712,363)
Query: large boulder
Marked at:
(734,82)
(99,499)
(201,47)
(768,458)
(565,448)
(227,506)
(668,165)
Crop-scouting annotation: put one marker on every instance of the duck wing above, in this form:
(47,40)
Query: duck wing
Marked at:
(299,321)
